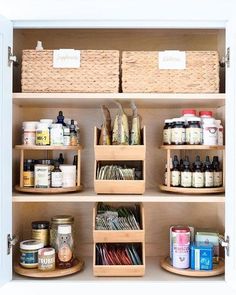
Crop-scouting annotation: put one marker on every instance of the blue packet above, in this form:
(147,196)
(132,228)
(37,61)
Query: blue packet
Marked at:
(201,256)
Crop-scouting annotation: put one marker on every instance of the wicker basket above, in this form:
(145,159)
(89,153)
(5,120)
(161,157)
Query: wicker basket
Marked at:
(141,73)
(98,72)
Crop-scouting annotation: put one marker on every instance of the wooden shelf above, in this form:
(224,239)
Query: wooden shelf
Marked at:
(89,196)
(193,147)
(51,190)
(192,190)
(119,186)
(47,148)
(142,100)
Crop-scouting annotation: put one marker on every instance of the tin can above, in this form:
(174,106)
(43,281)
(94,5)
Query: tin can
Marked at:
(180,237)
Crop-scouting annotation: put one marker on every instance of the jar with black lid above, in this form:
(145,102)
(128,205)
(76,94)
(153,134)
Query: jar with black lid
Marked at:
(178,131)
(167,132)
(193,131)
(40,231)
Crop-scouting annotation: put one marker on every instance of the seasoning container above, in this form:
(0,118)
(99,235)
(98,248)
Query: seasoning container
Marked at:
(41,176)
(40,231)
(180,237)
(201,256)
(167,132)
(46,259)
(64,247)
(178,131)
(217,173)
(42,134)
(28,173)
(56,135)
(29,133)
(208,173)
(175,172)
(56,176)
(197,174)
(29,253)
(193,131)
(68,175)
(186,174)
(55,222)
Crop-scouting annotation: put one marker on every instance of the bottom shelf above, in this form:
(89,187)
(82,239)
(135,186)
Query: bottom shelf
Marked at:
(218,269)
(61,190)
(192,190)
(153,273)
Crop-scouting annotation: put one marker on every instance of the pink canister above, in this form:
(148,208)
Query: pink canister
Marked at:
(180,246)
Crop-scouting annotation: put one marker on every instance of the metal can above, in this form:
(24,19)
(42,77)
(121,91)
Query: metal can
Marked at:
(180,243)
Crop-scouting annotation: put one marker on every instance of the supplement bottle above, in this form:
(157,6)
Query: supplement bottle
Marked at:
(175,172)
(57,135)
(167,132)
(217,173)
(73,134)
(208,172)
(42,134)
(178,131)
(28,174)
(198,173)
(56,176)
(186,174)
(193,131)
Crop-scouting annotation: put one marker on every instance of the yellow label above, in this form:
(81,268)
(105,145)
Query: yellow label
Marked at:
(42,137)
(28,178)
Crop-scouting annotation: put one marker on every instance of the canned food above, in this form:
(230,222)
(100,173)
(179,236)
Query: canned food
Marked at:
(180,243)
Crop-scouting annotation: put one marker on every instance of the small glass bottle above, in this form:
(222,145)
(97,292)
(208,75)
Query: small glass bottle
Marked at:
(175,172)
(28,174)
(61,159)
(198,174)
(209,174)
(193,131)
(217,173)
(56,176)
(186,174)
(60,119)
(167,132)
(73,134)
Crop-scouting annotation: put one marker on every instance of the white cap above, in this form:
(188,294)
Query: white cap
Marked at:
(168,121)
(31,245)
(64,229)
(39,46)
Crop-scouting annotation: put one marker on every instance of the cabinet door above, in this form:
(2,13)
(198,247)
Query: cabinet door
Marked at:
(5,149)
(230,123)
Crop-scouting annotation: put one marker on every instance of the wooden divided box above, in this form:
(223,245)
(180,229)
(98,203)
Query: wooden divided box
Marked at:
(119,153)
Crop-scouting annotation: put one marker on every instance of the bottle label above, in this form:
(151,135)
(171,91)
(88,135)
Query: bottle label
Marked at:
(165,181)
(66,140)
(167,136)
(29,138)
(64,253)
(193,135)
(186,179)
(28,179)
(220,137)
(175,178)
(42,177)
(57,136)
(218,179)
(73,140)
(56,179)
(210,136)
(198,179)
(177,135)
(181,256)
(209,179)
(42,137)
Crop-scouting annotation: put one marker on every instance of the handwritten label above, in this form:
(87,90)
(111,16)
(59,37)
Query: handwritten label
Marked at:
(66,58)
(172,60)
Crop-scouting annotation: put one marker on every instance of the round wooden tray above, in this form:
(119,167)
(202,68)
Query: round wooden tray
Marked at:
(62,190)
(35,273)
(192,190)
(218,269)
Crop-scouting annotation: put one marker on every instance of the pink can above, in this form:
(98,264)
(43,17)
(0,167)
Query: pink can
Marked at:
(180,246)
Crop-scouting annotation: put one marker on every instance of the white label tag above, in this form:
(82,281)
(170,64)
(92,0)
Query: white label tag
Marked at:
(172,60)
(66,58)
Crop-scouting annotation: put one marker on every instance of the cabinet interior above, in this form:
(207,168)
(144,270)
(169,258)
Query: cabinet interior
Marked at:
(159,216)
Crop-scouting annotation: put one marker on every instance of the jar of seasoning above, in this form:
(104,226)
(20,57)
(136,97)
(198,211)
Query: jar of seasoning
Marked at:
(29,133)
(46,259)
(64,247)
(29,253)
(42,134)
(167,132)
(28,173)
(40,231)
(55,222)
(178,131)
(193,131)
(57,135)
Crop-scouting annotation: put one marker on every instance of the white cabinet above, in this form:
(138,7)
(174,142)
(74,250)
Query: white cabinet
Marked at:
(161,210)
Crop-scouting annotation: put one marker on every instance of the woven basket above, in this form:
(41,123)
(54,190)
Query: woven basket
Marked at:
(98,72)
(141,73)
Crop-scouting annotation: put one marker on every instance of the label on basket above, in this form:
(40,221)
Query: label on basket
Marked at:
(66,58)
(172,60)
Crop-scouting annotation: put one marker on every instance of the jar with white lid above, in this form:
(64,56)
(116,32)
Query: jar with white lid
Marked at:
(209,132)
(42,134)
(29,132)
(56,135)
(29,253)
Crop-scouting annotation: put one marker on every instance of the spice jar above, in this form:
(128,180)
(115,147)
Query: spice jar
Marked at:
(46,259)
(167,132)
(55,222)
(29,253)
(40,231)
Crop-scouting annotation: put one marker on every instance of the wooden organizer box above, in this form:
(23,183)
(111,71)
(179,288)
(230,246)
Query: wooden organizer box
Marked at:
(119,153)
(48,149)
(119,236)
(190,190)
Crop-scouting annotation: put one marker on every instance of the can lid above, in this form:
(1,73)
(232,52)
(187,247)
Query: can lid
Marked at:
(64,229)
(31,245)
(40,224)
(47,251)
(62,219)
(205,113)
(180,229)
(189,112)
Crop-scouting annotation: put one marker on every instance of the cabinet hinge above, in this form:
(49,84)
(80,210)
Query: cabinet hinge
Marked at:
(11,58)
(224,243)
(227,57)
(11,241)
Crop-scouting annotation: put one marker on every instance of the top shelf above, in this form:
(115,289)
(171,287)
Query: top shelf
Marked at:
(192,147)
(143,100)
(48,147)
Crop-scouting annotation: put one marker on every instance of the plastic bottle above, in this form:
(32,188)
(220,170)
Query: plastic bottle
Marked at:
(73,134)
